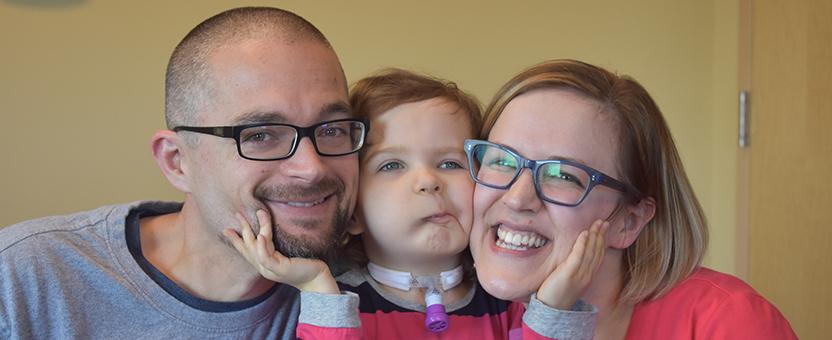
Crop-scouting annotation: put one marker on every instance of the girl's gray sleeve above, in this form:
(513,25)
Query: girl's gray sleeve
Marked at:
(579,323)
(329,310)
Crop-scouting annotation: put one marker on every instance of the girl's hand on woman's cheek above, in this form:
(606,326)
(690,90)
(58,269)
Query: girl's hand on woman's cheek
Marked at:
(564,287)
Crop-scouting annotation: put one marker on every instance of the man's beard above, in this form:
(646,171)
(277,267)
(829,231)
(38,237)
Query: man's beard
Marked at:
(316,246)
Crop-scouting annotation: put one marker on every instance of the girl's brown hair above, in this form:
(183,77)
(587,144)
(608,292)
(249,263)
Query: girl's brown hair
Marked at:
(372,96)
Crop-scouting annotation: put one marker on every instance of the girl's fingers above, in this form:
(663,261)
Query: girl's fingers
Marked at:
(239,243)
(266,229)
(592,243)
(235,240)
(264,244)
(600,244)
(588,246)
(248,235)
(263,255)
(575,261)
(265,223)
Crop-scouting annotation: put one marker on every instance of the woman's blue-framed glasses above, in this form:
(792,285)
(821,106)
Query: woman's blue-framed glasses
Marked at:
(559,182)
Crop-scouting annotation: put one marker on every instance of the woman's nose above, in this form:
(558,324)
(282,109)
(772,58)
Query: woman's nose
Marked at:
(522,195)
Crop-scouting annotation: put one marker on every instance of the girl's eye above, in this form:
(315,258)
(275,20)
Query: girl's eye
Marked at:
(391,166)
(450,165)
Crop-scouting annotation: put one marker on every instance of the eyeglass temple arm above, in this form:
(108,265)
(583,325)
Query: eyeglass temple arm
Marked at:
(219,131)
(610,182)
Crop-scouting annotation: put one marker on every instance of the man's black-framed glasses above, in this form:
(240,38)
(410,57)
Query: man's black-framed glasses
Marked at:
(555,181)
(271,142)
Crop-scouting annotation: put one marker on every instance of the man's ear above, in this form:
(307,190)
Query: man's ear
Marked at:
(166,147)
(634,221)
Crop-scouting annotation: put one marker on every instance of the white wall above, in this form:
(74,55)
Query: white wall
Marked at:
(82,85)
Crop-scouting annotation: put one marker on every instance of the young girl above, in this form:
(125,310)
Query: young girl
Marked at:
(407,242)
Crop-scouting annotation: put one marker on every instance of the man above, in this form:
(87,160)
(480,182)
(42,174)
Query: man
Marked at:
(154,269)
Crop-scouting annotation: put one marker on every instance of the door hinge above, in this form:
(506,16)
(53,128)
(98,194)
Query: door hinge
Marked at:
(744,97)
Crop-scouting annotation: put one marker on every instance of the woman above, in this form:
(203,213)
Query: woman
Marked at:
(610,157)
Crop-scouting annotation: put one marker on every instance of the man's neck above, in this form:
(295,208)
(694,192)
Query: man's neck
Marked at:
(197,260)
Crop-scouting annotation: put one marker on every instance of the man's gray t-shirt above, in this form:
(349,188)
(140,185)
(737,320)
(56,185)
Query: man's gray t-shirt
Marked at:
(74,277)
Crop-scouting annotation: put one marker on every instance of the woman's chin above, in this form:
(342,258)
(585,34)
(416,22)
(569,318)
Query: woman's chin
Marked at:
(506,288)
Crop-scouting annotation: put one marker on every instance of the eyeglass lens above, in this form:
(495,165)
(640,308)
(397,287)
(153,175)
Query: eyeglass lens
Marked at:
(275,141)
(558,182)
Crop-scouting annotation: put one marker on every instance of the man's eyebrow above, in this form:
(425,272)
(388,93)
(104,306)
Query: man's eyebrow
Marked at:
(260,118)
(336,109)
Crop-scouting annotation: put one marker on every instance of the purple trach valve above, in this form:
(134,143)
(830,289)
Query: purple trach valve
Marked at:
(437,319)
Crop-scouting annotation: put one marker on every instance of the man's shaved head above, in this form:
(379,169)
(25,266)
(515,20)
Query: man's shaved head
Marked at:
(188,84)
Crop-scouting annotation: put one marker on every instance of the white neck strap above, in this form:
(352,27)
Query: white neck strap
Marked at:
(404,280)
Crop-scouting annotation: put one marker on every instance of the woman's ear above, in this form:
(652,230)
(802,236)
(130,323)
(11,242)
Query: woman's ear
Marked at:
(634,221)
(166,147)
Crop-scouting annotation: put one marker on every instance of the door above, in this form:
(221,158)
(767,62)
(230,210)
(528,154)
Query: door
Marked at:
(787,188)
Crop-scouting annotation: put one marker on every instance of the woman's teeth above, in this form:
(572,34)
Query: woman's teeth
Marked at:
(516,240)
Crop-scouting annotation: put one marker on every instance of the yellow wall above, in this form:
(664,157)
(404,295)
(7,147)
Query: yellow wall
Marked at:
(82,84)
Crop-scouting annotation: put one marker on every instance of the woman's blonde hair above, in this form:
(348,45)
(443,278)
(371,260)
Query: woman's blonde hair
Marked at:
(672,245)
